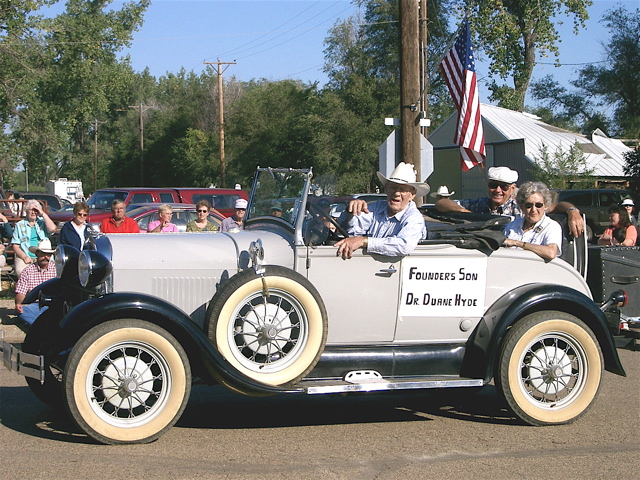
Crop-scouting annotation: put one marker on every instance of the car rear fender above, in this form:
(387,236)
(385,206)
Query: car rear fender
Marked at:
(483,347)
(203,356)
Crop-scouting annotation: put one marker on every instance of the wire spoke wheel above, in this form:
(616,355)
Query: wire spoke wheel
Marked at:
(550,368)
(126,381)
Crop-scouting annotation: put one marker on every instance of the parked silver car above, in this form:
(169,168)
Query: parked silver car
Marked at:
(271,309)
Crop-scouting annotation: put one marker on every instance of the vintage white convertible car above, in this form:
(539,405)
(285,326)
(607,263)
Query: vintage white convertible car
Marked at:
(134,319)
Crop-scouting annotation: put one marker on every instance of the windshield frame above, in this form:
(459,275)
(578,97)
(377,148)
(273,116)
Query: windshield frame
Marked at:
(289,187)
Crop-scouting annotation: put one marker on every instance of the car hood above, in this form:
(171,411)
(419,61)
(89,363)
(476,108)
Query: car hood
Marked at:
(185,268)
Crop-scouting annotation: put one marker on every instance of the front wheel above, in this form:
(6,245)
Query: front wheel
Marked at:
(126,381)
(550,368)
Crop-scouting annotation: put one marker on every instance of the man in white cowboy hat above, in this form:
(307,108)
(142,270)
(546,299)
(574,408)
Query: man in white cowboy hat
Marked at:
(501,182)
(33,275)
(387,227)
(442,192)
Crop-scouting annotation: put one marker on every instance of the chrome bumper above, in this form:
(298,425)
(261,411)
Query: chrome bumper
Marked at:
(26,364)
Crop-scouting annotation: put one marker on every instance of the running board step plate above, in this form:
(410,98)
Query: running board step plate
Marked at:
(316,387)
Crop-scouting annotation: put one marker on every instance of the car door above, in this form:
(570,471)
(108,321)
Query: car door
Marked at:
(360,294)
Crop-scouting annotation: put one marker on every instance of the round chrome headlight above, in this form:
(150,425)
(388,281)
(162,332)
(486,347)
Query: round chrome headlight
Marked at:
(93,268)
(65,259)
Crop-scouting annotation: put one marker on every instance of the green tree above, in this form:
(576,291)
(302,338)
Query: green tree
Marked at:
(363,64)
(513,33)
(611,85)
(632,169)
(562,169)
(83,80)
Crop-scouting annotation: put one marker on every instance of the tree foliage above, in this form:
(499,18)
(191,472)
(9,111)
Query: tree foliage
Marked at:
(513,33)
(632,169)
(613,84)
(562,169)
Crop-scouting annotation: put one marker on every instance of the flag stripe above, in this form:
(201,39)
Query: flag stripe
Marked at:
(458,68)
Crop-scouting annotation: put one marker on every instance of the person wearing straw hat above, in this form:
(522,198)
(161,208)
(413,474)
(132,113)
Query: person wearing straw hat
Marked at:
(442,192)
(501,183)
(387,227)
(33,275)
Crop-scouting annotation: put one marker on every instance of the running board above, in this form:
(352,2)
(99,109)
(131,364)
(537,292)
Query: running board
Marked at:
(375,383)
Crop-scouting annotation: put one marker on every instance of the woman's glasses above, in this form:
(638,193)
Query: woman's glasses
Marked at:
(530,205)
(202,211)
(81,214)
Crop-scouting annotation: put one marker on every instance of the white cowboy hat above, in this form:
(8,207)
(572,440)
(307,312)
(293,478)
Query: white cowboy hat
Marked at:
(44,246)
(442,191)
(502,174)
(404,174)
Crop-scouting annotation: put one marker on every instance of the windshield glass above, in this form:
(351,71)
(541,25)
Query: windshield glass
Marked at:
(103,200)
(278,193)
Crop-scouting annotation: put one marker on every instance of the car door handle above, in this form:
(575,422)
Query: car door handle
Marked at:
(388,271)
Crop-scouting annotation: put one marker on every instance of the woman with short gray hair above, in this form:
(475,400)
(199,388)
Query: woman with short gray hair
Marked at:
(165,212)
(28,232)
(535,231)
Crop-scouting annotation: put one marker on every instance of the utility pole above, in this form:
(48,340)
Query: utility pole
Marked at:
(422,36)
(410,83)
(141,109)
(219,64)
(96,124)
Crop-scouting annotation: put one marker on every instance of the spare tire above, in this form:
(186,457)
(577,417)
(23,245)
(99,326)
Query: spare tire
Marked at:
(270,327)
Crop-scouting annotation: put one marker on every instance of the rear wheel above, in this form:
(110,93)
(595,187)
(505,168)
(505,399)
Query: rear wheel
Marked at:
(271,328)
(550,368)
(126,381)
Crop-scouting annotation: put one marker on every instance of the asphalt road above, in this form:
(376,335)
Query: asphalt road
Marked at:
(381,436)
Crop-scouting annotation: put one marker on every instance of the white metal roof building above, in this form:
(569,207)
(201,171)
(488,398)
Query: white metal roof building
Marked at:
(515,139)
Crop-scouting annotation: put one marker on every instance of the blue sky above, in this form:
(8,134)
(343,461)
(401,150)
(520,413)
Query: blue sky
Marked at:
(284,39)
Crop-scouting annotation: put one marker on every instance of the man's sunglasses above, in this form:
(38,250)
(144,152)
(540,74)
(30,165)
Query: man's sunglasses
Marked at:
(529,205)
(202,211)
(503,186)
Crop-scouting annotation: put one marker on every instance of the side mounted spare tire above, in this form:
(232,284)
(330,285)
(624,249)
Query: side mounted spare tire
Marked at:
(272,328)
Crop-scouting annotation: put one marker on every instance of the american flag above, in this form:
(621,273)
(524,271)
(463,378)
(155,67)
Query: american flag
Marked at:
(459,70)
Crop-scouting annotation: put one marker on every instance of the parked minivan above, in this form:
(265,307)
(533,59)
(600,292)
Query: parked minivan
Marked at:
(594,203)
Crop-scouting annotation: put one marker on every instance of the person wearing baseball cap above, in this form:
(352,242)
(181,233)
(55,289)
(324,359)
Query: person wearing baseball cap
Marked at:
(501,183)
(387,227)
(628,205)
(235,222)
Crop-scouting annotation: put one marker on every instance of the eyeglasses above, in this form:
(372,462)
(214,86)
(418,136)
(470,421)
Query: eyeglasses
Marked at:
(503,186)
(529,205)
(80,214)
(202,211)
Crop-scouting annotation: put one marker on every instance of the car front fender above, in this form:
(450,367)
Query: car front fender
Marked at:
(155,310)
(484,344)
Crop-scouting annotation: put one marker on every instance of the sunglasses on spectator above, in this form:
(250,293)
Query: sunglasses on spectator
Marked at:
(81,214)
(202,211)
(529,205)
(503,186)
